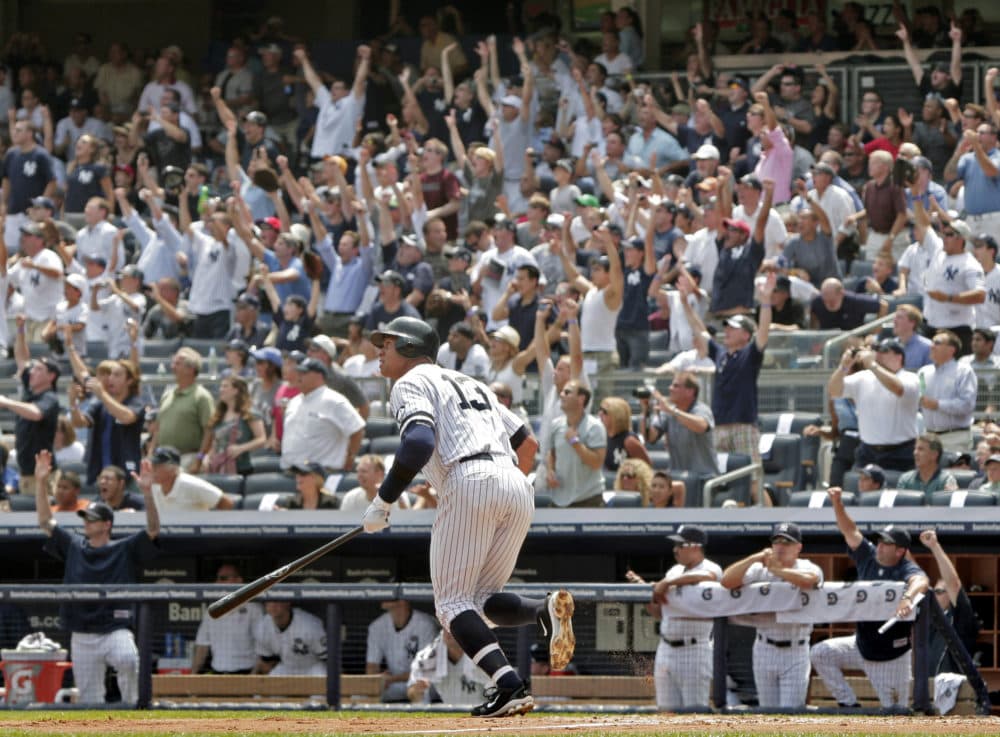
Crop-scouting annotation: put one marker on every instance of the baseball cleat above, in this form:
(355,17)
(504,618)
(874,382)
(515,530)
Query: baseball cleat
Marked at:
(556,620)
(505,702)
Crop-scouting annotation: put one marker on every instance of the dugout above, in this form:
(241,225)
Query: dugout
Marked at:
(616,635)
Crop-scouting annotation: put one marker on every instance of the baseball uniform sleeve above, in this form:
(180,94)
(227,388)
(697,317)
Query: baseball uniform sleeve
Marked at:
(375,648)
(410,400)
(266,644)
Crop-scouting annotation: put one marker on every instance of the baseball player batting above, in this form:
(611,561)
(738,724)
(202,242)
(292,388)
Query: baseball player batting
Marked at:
(466,443)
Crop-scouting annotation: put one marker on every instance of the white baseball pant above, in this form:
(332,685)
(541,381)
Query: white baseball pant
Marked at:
(781,674)
(92,653)
(891,679)
(482,519)
(682,675)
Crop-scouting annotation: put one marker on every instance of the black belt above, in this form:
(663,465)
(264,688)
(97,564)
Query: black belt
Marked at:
(954,429)
(484,456)
(887,448)
(780,643)
(684,641)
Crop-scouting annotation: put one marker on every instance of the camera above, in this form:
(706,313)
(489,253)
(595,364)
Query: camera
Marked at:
(642,392)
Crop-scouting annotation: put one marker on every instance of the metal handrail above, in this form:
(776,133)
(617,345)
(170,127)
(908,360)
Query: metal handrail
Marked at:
(862,330)
(756,470)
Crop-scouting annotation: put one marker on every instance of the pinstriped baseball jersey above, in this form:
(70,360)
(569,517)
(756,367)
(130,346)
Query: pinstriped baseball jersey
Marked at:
(758,573)
(301,645)
(677,627)
(457,407)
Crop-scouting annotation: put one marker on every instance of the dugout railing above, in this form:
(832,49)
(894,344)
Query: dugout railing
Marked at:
(335,597)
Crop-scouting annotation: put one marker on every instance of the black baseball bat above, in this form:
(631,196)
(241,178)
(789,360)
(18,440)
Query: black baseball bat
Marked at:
(248,591)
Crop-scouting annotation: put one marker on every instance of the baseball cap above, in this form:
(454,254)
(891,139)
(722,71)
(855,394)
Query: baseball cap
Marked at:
(308,467)
(738,224)
(97,512)
(987,240)
(740,81)
(675,179)
(32,229)
(391,277)
(257,118)
(504,223)
(707,151)
(249,300)
(458,252)
(995,458)
(238,344)
(271,48)
(681,108)
(272,222)
(822,167)
(131,270)
(166,454)
(325,344)
(689,534)
(412,240)
(751,180)
(52,367)
(511,100)
(508,335)
(463,328)
(783,284)
(269,354)
(694,271)
(786,531)
(922,162)
(962,228)
(94,258)
(314,365)
(894,536)
(77,281)
(43,202)
(613,228)
(566,164)
(555,220)
(77,103)
(891,344)
(588,200)
(741,322)
(637,243)
(874,472)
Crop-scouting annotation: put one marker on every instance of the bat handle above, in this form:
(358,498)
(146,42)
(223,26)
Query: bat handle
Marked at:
(895,620)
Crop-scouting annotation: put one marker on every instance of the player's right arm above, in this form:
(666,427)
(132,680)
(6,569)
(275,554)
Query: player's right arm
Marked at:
(732,577)
(846,525)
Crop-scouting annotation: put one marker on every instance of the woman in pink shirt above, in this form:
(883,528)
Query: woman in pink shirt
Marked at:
(776,158)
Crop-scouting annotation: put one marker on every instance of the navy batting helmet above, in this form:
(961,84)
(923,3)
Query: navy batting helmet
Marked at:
(414,338)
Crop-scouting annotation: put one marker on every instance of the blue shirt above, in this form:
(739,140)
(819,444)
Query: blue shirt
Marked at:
(734,400)
(634,314)
(347,281)
(114,563)
(28,172)
(732,284)
(918,352)
(982,193)
(896,641)
(934,190)
(666,147)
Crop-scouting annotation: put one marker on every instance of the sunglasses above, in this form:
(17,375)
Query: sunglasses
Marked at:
(940,591)
(949,233)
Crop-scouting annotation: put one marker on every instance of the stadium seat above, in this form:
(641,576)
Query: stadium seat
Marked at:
(902,498)
(963,476)
(659,459)
(738,490)
(659,340)
(543,500)
(804,498)
(204,346)
(693,484)
(97,350)
(22,502)
(968,498)
(77,467)
(253,501)
(851,479)
(782,467)
(265,464)
(377,427)
(231,483)
(160,348)
(385,445)
(347,482)
(624,499)
(262,482)
(794,422)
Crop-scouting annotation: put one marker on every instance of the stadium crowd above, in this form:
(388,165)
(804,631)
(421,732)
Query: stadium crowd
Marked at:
(558,220)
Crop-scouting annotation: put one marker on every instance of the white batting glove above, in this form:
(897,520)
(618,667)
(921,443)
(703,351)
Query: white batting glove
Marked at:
(376,517)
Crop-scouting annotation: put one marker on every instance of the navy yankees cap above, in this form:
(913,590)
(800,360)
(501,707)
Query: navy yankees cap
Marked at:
(166,454)
(894,536)
(874,472)
(97,512)
(689,534)
(306,468)
(786,531)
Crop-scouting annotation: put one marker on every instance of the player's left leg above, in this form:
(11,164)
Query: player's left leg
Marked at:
(793,682)
(474,545)
(766,669)
(891,679)
(693,672)
(88,667)
(122,654)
